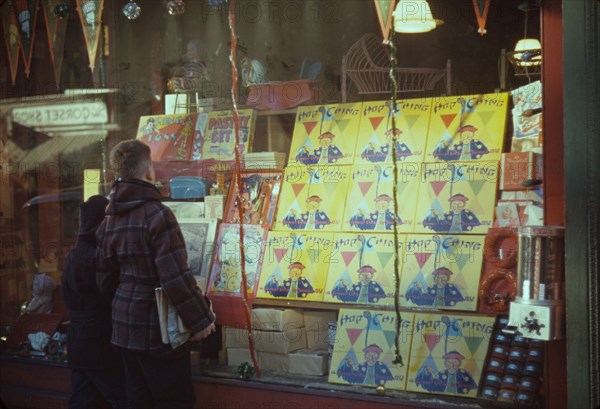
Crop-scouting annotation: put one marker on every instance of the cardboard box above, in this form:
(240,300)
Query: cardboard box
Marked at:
(236,356)
(280,342)
(318,320)
(277,319)
(517,167)
(317,339)
(235,337)
(269,361)
(309,362)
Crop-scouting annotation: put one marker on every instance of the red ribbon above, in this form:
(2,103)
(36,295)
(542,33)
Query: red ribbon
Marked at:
(481,16)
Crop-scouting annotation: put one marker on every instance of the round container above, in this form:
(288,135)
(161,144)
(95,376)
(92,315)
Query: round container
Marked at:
(503,321)
(540,264)
(510,382)
(535,355)
(529,384)
(489,393)
(517,354)
(532,369)
(503,339)
(520,341)
(496,365)
(513,368)
(492,380)
(525,397)
(506,395)
(500,352)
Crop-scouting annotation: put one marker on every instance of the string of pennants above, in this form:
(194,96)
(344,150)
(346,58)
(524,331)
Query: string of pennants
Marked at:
(19,19)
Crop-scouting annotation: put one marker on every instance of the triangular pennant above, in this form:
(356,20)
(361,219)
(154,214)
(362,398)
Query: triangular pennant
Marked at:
(459,280)
(348,256)
(473,343)
(477,185)
(90,15)
(280,254)
(343,123)
(447,119)
(385,9)
(390,337)
(411,119)
(432,340)
(297,188)
(26,12)
(486,116)
(438,186)
(309,126)
(364,187)
(353,334)
(10,29)
(384,257)
(56,28)
(481,12)
(422,258)
(375,121)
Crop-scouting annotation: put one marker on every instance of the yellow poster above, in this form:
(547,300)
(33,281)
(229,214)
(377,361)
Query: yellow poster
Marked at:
(312,198)
(364,349)
(170,137)
(219,143)
(370,205)
(295,265)
(448,353)
(325,134)
(441,271)
(362,269)
(467,128)
(457,197)
(376,131)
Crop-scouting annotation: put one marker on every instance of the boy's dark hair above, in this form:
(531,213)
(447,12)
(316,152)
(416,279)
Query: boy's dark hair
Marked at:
(129,159)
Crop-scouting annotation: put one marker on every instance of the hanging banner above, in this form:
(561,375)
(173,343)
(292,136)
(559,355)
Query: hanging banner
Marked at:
(481,12)
(26,12)
(56,28)
(10,31)
(90,14)
(385,9)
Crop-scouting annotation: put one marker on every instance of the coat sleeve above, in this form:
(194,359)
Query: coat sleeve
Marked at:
(176,279)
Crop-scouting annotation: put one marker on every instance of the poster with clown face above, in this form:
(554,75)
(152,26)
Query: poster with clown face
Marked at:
(364,349)
(295,265)
(361,269)
(457,198)
(465,128)
(312,198)
(325,134)
(369,204)
(441,271)
(448,353)
(376,134)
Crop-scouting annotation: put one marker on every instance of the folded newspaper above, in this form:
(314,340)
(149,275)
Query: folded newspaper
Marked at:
(172,328)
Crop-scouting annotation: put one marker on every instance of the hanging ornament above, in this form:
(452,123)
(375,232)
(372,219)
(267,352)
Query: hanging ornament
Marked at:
(481,12)
(61,11)
(131,10)
(176,7)
(89,12)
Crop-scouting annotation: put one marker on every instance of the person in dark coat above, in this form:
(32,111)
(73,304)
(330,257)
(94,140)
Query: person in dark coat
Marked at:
(141,248)
(97,371)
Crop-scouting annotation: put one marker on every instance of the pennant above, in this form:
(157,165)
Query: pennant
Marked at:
(348,256)
(56,28)
(473,343)
(364,187)
(375,121)
(90,15)
(279,253)
(432,340)
(353,334)
(411,119)
(438,186)
(481,12)
(26,12)
(390,337)
(385,9)
(297,188)
(343,123)
(422,258)
(384,257)
(486,116)
(309,126)
(10,28)
(447,119)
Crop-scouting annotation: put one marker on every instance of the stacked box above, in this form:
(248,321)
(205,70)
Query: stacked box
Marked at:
(270,361)
(316,323)
(309,362)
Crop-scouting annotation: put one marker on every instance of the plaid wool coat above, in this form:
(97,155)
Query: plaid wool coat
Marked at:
(141,247)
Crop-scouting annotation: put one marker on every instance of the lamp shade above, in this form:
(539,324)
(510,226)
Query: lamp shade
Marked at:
(414,16)
(528,52)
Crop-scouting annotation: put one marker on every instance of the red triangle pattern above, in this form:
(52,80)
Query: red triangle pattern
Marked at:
(422,258)
(309,126)
(297,188)
(348,256)
(375,121)
(432,340)
(447,119)
(353,334)
(364,187)
(438,186)
(279,254)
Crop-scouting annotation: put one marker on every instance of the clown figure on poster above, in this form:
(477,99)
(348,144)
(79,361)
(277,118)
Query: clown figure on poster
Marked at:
(295,286)
(458,219)
(467,147)
(375,154)
(440,294)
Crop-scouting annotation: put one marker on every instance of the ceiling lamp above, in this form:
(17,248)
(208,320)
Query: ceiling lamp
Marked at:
(528,52)
(414,16)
